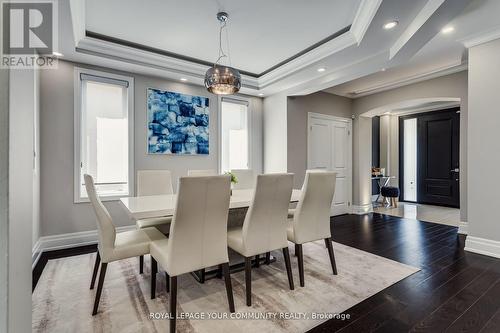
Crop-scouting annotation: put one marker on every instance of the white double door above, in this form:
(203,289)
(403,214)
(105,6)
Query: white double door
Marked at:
(330,148)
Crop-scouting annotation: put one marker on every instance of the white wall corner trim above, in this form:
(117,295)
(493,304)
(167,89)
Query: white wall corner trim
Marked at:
(363,209)
(364,16)
(481,38)
(64,241)
(483,246)
(463,227)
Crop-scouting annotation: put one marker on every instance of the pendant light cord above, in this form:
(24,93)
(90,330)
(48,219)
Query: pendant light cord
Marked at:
(221,51)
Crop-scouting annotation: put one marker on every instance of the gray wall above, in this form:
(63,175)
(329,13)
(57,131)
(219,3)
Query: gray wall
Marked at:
(4,188)
(454,85)
(58,212)
(297,110)
(483,140)
(275,133)
(22,205)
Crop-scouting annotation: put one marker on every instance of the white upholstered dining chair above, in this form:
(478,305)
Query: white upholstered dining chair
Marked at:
(311,220)
(264,227)
(114,246)
(246,179)
(202,173)
(198,235)
(153,182)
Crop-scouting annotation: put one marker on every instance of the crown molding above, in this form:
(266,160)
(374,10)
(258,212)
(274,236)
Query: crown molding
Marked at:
(441,71)
(481,38)
(364,17)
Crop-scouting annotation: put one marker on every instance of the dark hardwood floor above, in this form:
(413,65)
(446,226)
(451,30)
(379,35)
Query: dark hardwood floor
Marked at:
(455,291)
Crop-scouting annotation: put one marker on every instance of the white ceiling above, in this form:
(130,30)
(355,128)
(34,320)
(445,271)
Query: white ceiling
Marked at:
(443,54)
(262,33)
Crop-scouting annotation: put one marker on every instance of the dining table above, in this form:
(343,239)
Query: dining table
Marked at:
(151,206)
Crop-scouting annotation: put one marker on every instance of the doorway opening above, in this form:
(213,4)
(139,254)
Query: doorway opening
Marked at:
(429,146)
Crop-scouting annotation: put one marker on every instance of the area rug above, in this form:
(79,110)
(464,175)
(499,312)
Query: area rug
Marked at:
(62,301)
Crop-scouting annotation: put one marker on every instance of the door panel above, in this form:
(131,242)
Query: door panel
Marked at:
(320,145)
(329,148)
(438,158)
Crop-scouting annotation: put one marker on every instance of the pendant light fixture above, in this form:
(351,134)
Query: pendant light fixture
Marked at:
(221,79)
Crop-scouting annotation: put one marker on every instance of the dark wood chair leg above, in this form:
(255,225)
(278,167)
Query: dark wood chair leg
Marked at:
(268,258)
(229,286)
(328,242)
(167,282)
(248,280)
(102,274)
(286,254)
(154,270)
(96,268)
(173,303)
(296,253)
(141,264)
(219,272)
(300,256)
(202,275)
(257,261)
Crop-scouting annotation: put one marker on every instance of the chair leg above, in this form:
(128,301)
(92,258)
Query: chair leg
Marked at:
(141,264)
(154,270)
(296,249)
(268,258)
(96,268)
(288,265)
(395,203)
(257,261)
(229,287)
(202,275)
(167,282)
(219,272)
(173,303)
(102,274)
(328,242)
(300,256)
(248,280)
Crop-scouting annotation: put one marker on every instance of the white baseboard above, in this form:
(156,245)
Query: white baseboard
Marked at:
(363,209)
(463,228)
(64,241)
(484,246)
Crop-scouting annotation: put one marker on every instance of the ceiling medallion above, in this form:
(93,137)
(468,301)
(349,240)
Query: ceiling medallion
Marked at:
(221,79)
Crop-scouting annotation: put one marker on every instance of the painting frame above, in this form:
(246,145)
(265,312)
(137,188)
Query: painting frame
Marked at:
(187,133)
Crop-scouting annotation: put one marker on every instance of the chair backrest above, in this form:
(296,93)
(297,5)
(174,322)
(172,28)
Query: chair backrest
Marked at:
(246,179)
(311,220)
(105,227)
(198,232)
(202,173)
(264,228)
(154,182)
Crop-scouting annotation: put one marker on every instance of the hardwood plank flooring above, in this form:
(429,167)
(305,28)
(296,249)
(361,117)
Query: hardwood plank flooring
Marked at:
(456,291)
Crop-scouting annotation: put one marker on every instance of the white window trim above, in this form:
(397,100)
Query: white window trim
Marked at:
(77,131)
(242,100)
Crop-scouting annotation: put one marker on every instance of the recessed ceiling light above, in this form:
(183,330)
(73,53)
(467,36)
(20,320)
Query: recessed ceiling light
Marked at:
(321,69)
(448,30)
(383,69)
(261,94)
(57,54)
(390,25)
(183,79)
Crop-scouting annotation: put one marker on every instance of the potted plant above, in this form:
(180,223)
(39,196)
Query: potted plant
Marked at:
(234,180)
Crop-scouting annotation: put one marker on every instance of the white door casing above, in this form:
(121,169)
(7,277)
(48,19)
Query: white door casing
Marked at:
(329,147)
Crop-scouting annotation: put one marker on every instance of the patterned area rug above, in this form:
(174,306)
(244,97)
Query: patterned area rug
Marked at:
(62,301)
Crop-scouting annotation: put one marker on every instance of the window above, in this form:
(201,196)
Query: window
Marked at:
(234,134)
(103,133)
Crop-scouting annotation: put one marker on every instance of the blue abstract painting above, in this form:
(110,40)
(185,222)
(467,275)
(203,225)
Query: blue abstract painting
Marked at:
(177,123)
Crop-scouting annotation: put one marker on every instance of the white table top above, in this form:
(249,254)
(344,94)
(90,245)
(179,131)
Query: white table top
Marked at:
(164,205)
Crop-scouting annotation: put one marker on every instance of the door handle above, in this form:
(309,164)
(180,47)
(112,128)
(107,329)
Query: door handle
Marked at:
(455,170)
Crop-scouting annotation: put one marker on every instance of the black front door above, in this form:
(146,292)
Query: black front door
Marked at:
(438,149)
